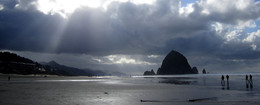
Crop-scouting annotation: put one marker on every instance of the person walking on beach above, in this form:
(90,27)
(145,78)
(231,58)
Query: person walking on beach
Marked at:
(251,81)
(247,81)
(222,81)
(227,76)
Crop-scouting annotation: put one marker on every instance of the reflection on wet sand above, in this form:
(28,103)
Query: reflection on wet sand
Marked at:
(163,90)
(178,80)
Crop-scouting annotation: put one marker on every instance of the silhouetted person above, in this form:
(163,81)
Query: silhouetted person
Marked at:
(9,77)
(227,76)
(251,81)
(247,81)
(222,81)
(222,77)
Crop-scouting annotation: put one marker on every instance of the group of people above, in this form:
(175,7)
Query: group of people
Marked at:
(223,81)
(249,82)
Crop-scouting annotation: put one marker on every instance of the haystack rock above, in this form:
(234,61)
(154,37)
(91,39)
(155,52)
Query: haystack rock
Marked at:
(176,63)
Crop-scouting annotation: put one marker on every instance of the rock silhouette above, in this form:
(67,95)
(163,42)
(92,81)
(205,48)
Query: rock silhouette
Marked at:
(149,72)
(204,71)
(176,63)
(195,70)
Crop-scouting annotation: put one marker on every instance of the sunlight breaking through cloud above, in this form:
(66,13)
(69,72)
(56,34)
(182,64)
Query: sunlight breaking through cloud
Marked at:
(1,7)
(123,59)
(64,7)
(153,56)
(67,7)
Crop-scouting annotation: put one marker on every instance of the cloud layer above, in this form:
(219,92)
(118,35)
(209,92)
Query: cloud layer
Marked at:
(213,30)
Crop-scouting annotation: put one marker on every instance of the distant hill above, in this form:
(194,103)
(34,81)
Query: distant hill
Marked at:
(70,70)
(11,63)
(81,72)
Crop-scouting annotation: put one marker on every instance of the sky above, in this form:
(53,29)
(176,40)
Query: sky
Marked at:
(132,36)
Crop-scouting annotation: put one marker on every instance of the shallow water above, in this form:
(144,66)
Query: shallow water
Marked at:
(137,90)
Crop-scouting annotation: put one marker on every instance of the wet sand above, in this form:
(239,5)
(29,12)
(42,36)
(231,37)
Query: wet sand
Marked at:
(181,90)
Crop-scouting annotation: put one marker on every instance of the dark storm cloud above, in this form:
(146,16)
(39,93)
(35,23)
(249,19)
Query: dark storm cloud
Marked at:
(202,42)
(8,4)
(23,30)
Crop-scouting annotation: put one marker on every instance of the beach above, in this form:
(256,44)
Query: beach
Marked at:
(199,89)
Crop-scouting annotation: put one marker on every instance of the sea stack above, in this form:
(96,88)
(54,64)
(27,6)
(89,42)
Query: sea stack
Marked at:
(204,71)
(149,72)
(176,63)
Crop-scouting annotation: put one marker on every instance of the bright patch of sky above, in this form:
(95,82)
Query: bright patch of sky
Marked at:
(123,59)
(249,27)
(1,7)
(253,29)
(153,56)
(184,3)
(66,7)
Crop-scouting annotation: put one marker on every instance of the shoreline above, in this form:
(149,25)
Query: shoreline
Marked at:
(202,90)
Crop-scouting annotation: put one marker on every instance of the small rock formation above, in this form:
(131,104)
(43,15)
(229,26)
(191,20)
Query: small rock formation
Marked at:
(149,72)
(176,63)
(195,70)
(204,71)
